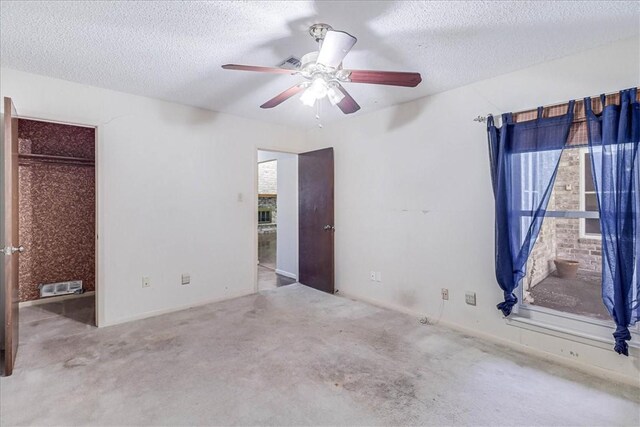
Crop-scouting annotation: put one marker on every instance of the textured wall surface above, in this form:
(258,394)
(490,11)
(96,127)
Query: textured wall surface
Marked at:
(570,244)
(268,177)
(540,263)
(57,208)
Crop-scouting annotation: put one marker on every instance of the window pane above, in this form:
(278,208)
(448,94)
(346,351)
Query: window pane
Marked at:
(590,202)
(592,226)
(564,272)
(588,177)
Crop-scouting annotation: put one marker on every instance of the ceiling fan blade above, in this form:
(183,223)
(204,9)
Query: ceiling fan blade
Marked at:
(335,46)
(348,105)
(392,78)
(258,69)
(279,99)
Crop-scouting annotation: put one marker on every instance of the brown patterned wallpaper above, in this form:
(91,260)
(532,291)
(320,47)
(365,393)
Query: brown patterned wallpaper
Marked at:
(57,207)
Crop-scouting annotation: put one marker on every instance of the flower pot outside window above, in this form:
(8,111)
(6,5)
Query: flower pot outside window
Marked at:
(567,269)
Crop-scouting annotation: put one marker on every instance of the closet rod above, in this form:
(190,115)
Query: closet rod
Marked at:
(28,162)
(60,158)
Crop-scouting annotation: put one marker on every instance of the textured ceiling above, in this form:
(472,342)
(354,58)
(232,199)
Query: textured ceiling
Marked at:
(173,50)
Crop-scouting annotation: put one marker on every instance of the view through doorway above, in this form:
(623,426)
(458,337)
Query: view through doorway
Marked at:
(57,222)
(277,219)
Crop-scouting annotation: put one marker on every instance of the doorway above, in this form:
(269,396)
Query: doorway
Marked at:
(277,214)
(56,222)
(295,219)
(47,228)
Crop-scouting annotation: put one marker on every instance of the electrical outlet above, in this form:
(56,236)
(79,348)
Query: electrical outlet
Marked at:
(470,298)
(445,293)
(186,279)
(372,275)
(146,282)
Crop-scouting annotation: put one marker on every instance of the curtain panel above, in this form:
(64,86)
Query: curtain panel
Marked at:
(524,163)
(613,145)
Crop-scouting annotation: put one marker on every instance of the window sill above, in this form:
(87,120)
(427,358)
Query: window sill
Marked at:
(593,332)
(590,239)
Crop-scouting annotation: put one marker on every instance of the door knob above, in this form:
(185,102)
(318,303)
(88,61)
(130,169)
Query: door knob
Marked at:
(329,228)
(18,249)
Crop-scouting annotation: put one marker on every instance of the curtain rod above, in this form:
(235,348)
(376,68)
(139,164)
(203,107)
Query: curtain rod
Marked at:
(482,119)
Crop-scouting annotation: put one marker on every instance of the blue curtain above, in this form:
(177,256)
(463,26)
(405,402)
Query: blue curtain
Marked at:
(613,145)
(524,163)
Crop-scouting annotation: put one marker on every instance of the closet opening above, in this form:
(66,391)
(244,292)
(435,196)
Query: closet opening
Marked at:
(56,224)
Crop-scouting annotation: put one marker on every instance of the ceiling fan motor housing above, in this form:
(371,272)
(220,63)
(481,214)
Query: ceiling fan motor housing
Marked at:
(311,68)
(318,31)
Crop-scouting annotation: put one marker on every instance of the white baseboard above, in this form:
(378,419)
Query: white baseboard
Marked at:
(155,313)
(583,367)
(287,274)
(56,299)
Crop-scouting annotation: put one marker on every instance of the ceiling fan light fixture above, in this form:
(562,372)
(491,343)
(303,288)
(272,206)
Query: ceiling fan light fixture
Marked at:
(308,98)
(319,87)
(335,95)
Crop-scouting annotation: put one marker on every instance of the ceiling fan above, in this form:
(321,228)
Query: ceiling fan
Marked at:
(324,73)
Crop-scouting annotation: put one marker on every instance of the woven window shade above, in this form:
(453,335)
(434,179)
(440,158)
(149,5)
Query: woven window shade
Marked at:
(578,131)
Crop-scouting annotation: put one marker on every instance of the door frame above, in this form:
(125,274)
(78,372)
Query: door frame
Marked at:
(255,207)
(48,118)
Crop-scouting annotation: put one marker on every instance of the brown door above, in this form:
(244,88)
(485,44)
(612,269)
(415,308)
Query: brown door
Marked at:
(9,241)
(315,217)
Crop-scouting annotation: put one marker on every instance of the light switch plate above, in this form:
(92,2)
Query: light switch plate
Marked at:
(445,293)
(470,298)
(186,279)
(378,276)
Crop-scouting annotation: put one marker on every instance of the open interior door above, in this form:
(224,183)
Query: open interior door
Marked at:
(9,235)
(315,217)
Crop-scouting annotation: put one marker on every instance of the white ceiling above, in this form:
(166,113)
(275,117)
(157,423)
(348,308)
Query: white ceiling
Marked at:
(173,50)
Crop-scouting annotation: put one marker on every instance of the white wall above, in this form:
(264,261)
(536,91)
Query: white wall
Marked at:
(287,237)
(175,192)
(414,200)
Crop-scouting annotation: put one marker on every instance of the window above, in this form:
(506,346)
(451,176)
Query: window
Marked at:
(563,272)
(589,227)
(528,162)
(563,304)
(264,216)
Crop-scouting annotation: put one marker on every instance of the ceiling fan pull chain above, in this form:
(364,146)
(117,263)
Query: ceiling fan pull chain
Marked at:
(318,113)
